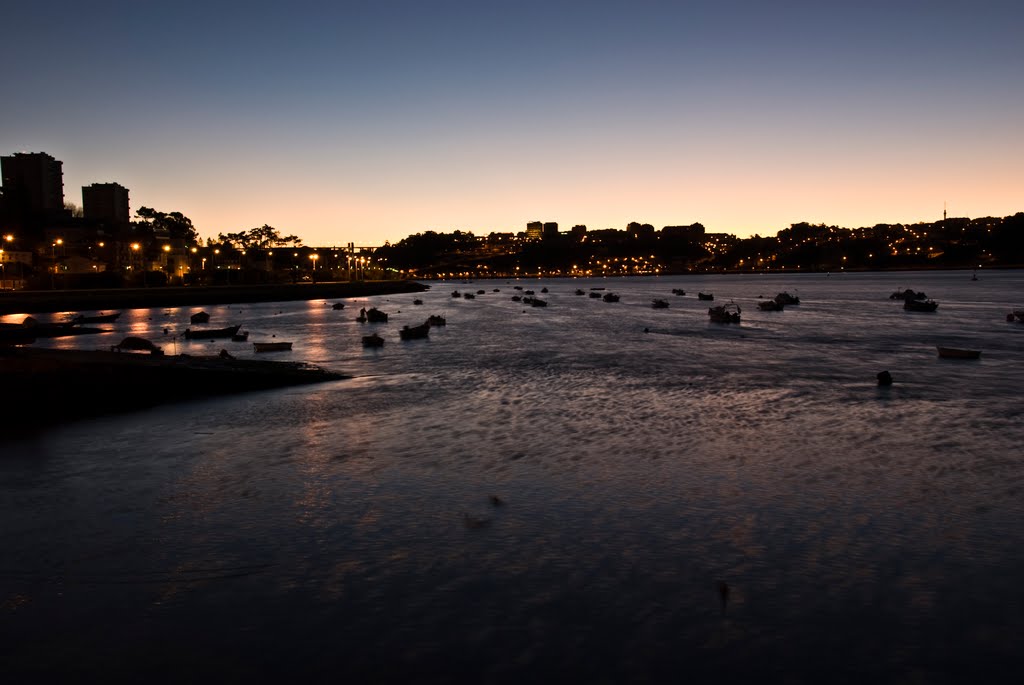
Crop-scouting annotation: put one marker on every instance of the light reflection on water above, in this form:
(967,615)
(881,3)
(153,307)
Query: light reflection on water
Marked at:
(865,532)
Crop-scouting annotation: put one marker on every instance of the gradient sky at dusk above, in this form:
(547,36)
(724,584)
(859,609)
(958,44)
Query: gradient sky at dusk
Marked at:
(365,122)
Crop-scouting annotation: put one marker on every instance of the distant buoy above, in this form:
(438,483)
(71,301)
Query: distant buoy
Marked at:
(884,378)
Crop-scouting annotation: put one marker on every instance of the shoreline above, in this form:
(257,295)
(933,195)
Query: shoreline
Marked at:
(51,301)
(55,386)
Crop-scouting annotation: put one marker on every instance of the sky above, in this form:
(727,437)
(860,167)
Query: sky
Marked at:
(372,121)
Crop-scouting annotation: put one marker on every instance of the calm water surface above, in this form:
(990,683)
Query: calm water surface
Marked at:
(347,532)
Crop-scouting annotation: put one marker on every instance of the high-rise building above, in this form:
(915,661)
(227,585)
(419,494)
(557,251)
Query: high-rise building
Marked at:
(33,182)
(534,230)
(550,229)
(106,203)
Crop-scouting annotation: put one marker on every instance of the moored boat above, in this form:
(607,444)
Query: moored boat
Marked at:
(705,296)
(911,305)
(228,332)
(373,340)
(610,297)
(770,306)
(199,317)
(436,320)
(373,315)
(271,346)
(96,318)
(414,332)
(725,313)
(785,298)
(659,304)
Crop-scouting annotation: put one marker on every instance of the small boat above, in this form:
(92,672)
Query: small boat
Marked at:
(1019,313)
(528,292)
(517,287)
(97,318)
(537,302)
(596,296)
(725,313)
(770,306)
(240,337)
(414,332)
(480,292)
(580,292)
(468,296)
(417,301)
(543,290)
(659,304)
(705,296)
(199,317)
(373,315)
(785,298)
(610,297)
(455,293)
(228,332)
(957,353)
(517,298)
(373,340)
(271,346)
(435,320)
(338,305)
(136,344)
(920,305)
(678,291)
(908,294)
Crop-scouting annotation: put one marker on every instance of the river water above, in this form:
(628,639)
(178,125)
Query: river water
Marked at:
(676,499)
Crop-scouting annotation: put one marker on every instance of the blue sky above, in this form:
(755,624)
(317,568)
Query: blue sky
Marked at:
(368,122)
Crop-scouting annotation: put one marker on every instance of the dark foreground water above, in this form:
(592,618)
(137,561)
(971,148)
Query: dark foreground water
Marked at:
(346,532)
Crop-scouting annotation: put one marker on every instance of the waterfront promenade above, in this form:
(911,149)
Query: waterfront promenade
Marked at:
(46,301)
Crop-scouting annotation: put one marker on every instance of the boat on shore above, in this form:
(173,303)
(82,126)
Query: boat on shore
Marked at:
(135,344)
(957,353)
(210,333)
(271,346)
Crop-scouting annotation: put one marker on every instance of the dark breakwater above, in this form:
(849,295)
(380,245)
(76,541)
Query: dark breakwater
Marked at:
(42,301)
